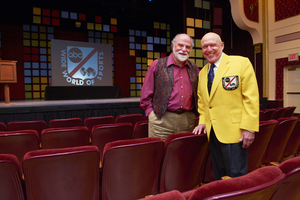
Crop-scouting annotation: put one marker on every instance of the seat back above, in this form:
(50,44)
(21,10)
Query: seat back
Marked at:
(259,146)
(90,122)
(267,114)
(140,129)
(293,143)
(290,111)
(67,173)
(259,184)
(184,156)
(2,126)
(131,118)
(209,175)
(105,133)
(37,125)
(131,168)
(18,143)
(289,188)
(279,139)
(69,122)
(10,181)
(279,113)
(65,137)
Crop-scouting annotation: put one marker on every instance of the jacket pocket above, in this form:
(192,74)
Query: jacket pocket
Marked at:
(236,118)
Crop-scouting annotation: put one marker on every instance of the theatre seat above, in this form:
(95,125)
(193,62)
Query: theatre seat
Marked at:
(37,125)
(259,146)
(10,178)
(66,174)
(65,137)
(267,114)
(293,143)
(279,139)
(279,113)
(18,143)
(289,187)
(69,122)
(209,175)
(259,184)
(2,126)
(289,111)
(131,118)
(90,122)
(131,168)
(140,129)
(105,133)
(183,164)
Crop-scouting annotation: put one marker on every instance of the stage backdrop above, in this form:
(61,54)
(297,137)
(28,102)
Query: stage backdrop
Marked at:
(80,63)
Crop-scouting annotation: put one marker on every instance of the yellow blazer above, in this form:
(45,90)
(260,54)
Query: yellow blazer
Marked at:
(233,104)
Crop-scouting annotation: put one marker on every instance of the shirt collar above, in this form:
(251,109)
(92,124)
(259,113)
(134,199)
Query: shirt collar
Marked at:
(217,63)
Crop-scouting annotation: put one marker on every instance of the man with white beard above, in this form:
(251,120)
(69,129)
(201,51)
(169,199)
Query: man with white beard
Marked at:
(169,92)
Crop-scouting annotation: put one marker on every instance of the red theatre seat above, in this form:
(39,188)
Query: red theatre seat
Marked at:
(65,137)
(18,143)
(140,129)
(131,168)
(183,163)
(69,122)
(279,139)
(259,146)
(293,143)
(279,113)
(10,181)
(131,118)
(289,187)
(267,114)
(259,184)
(90,122)
(2,126)
(67,173)
(105,133)
(37,125)
(290,111)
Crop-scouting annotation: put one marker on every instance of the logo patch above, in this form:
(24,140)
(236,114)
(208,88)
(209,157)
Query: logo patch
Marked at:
(230,82)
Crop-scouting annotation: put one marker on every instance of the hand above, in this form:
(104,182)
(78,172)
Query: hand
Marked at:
(247,137)
(201,128)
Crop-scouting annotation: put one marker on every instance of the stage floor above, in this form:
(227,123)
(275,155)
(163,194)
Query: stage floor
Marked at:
(49,109)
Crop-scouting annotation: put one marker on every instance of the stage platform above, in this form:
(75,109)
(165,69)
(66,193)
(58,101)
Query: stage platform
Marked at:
(57,109)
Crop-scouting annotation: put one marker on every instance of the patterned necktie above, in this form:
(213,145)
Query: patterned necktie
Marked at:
(210,78)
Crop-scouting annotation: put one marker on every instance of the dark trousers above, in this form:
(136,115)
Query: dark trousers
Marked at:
(227,159)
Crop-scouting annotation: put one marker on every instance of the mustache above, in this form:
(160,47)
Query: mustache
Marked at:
(181,52)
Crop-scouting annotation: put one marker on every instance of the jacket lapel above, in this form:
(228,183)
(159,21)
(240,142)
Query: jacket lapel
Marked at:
(222,69)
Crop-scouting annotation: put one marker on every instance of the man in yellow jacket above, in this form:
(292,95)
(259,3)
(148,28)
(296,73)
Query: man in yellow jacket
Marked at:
(228,105)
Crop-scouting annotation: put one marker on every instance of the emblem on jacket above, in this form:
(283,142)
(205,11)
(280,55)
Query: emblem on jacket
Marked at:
(230,82)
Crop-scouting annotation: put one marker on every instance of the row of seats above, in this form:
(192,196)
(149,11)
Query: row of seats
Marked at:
(22,141)
(269,182)
(276,141)
(276,113)
(89,122)
(131,169)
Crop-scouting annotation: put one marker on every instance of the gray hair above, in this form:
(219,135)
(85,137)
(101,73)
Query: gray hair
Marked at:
(175,38)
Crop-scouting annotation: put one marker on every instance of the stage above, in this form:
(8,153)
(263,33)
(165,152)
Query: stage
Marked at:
(56,109)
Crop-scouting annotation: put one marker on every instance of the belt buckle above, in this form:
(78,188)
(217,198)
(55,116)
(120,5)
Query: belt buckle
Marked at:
(179,111)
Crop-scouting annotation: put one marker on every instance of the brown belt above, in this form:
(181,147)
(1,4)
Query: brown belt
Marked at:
(179,111)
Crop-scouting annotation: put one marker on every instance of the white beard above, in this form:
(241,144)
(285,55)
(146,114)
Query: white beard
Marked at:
(181,57)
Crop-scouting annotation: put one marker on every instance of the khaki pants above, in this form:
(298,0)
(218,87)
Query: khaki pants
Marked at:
(170,123)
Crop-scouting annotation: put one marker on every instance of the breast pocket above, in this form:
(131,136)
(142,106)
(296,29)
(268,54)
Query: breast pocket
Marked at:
(230,82)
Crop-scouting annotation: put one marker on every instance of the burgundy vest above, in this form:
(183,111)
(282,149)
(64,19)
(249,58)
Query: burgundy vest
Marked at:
(164,82)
